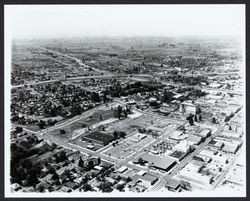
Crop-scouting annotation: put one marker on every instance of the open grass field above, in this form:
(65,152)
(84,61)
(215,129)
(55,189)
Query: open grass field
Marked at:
(100,115)
(80,127)
(71,130)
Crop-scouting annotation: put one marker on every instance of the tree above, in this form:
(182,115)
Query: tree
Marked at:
(41,188)
(98,178)
(105,97)
(61,157)
(52,170)
(128,110)
(167,96)
(125,113)
(200,117)
(214,120)
(191,121)
(50,122)
(90,164)
(119,110)
(26,164)
(41,124)
(51,188)
(95,97)
(19,129)
(198,110)
(57,182)
(76,109)
(99,160)
(55,176)
(53,146)
(74,170)
(120,187)
(105,187)
(129,179)
(32,179)
(80,163)
(67,173)
(195,118)
(86,187)
(140,161)
(118,178)
(155,134)
(115,134)
(122,134)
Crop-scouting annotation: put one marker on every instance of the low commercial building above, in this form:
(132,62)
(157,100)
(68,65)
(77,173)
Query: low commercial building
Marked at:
(179,155)
(162,163)
(230,149)
(97,167)
(203,158)
(178,135)
(216,144)
(194,139)
(173,185)
(205,133)
(146,178)
(230,134)
(122,169)
(183,146)
(178,96)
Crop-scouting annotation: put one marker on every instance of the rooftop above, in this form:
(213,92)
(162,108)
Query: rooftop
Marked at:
(160,162)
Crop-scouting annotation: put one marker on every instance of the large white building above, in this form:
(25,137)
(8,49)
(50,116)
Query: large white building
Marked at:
(188,107)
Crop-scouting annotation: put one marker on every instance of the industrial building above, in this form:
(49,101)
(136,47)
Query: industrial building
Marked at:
(163,163)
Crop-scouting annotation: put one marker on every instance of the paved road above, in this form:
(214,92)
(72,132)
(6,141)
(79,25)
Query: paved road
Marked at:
(107,76)
(78,61)
(193,75)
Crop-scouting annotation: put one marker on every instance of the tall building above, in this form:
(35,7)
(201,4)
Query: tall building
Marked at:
(188,107)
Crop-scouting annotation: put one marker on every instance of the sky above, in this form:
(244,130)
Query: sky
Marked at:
(52,21)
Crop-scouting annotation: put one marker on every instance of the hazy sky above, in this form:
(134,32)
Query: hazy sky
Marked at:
(124,20)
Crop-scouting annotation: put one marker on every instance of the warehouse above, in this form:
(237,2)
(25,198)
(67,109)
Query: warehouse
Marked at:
(163,163)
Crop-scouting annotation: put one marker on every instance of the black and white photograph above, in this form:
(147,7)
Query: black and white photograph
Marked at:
(125,100)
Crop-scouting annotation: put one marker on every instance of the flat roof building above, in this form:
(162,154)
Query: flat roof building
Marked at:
(122,169)
(173,185)
(163,163)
